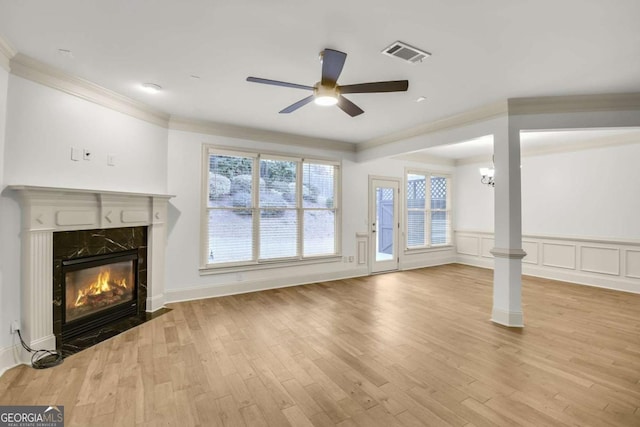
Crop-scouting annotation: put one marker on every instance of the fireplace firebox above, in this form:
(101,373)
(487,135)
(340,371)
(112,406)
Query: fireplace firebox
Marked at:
(98,290)
(99,285)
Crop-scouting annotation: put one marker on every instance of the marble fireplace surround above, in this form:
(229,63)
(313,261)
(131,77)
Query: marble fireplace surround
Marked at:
(47,210)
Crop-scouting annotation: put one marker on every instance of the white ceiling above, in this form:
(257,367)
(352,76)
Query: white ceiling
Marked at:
(483,51)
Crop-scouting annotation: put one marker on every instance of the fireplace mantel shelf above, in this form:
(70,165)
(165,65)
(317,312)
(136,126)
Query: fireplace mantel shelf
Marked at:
(33,188)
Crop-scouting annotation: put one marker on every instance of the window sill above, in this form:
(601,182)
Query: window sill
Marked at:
(438,248)
(210,270)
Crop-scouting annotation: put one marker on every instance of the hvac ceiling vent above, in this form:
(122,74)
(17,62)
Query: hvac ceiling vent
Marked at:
(405,52)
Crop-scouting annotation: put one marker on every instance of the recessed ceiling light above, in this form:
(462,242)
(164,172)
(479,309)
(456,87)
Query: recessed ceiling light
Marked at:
(151,87)
(66,53)
(421,98)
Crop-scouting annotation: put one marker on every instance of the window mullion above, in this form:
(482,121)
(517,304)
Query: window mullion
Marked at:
(255,208)
(299,209)
(427,206)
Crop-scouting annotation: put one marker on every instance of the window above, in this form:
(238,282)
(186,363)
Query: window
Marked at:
(428,210)
(266,208)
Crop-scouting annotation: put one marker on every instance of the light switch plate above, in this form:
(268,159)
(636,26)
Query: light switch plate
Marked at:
(76,154)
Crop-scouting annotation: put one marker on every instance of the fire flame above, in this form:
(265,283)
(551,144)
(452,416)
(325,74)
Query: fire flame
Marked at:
(101,285)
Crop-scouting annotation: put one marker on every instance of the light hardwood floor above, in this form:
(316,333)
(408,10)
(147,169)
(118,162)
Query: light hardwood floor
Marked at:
(409,349)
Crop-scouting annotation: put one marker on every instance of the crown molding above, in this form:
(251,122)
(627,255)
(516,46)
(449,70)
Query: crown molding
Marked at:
(255,134)
(36,71)
(574,104)
(475,115)
(6,53)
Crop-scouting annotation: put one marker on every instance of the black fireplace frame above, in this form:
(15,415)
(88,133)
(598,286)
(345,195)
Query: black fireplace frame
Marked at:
(82,244)
(106,316)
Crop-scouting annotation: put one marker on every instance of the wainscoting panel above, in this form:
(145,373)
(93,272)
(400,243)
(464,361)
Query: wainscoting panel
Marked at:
(606,263)
(600,260)
(487,245)
(467,245)
(632,262)
(531,248)
(362,240)
(559,255)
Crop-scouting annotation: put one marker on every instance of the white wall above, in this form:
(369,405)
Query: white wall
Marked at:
(580,215)
(473,208)
(183,278)
(584,193)
(42,124)
(587,193)
(7,298)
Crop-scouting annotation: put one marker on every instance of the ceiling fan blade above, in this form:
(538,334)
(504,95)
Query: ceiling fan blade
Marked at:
(278,83)
(295,106)
(349,107)
(390,86)
(332,63)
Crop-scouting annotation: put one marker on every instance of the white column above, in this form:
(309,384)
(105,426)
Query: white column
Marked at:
(156,254)
(37,300)
(508,253)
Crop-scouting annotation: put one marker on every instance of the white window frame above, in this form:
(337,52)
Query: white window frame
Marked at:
(256,262)
(427,210)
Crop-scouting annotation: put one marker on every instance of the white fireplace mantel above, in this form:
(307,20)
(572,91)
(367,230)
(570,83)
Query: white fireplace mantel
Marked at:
(46,210)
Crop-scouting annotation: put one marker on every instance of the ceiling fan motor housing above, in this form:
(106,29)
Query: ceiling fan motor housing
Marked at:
(327,95)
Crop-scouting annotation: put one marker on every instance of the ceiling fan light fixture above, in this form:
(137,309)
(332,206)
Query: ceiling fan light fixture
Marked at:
(325,95)
(326,100)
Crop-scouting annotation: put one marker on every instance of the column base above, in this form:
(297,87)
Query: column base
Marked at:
(512,319)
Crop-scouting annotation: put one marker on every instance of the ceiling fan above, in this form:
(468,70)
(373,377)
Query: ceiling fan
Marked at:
(328,92)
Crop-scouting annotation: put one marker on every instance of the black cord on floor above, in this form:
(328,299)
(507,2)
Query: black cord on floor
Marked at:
(42,359)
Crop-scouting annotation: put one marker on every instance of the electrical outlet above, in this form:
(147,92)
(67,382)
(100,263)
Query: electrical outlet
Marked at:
(15,326)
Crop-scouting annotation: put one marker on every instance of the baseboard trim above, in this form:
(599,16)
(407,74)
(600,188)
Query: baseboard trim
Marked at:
(202,292)
(582,279)
(9,358)
(574,277)
(432,262)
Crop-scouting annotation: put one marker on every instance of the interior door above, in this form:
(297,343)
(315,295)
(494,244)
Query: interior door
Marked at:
(384,223)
